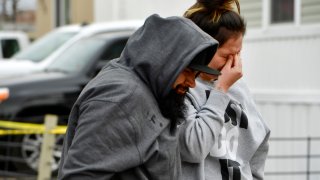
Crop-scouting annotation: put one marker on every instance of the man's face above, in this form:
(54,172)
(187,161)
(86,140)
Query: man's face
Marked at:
(230,48)
(185,80)
(173,106)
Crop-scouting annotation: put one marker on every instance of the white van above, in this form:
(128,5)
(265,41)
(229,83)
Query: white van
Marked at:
(41,53)
(12,42)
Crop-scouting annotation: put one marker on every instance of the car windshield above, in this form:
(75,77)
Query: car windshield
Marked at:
(75,58)
(42,48)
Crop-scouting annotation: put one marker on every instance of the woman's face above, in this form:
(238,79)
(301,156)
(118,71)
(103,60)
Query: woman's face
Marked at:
(230,48)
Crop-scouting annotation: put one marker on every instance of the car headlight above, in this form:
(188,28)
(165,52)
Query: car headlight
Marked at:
(4,94)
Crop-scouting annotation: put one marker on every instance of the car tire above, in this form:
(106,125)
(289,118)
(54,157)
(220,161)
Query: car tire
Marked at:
(29,151)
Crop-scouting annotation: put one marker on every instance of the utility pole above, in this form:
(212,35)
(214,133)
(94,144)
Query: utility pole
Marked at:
(4,10)
(14,10)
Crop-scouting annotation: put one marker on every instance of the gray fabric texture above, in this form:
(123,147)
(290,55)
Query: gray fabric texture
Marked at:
(224,136)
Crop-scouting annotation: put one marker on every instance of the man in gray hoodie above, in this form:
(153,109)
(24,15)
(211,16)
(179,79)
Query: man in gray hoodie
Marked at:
(124,123)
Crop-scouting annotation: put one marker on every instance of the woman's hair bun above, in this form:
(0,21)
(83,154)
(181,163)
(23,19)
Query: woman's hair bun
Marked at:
(220,5)
(211,4)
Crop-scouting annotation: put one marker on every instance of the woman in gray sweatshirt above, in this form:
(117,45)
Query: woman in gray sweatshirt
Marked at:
(224,136)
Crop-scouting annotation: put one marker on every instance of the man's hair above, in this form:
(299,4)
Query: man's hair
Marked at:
(217,18)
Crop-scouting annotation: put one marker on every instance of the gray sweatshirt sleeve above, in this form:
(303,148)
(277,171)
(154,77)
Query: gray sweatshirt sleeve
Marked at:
(257,162)
(104,143)
(202,125)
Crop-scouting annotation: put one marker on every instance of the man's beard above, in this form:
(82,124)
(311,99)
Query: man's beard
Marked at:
(174,108)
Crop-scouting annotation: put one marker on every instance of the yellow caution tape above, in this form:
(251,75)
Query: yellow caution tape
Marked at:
(19,125)
(19,132)
(18,128)
(59,130)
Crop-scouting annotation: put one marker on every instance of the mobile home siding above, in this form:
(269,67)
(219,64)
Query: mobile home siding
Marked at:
(251,10)
(291,117)
(310,12)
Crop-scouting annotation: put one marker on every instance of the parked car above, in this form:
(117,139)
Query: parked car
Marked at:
(41,53)
(54,90)
(12,42)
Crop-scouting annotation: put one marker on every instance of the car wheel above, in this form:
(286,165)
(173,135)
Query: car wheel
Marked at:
(29,152)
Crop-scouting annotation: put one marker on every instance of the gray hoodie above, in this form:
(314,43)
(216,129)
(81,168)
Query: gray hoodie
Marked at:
(116,129)
(224,136)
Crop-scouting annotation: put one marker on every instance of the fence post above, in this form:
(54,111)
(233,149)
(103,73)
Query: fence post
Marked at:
(44,169)
(308,157)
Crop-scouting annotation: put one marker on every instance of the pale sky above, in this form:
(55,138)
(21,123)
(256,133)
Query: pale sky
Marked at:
(27,4)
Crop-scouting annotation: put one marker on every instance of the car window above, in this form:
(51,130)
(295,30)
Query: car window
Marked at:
(9,47)
(76,57)
(42,48)
(114,50)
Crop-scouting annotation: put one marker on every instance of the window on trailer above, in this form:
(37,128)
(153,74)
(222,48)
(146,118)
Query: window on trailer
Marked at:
(282,11)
